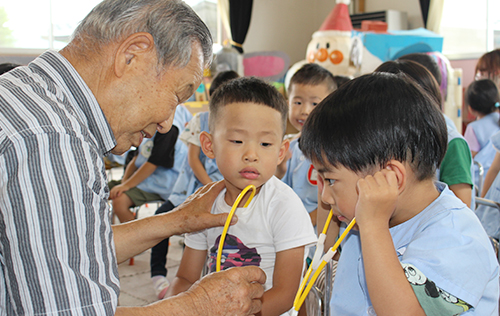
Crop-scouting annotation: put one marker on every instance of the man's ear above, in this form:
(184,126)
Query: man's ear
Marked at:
(132,52)
(285,145)
(401,173)
(207,144)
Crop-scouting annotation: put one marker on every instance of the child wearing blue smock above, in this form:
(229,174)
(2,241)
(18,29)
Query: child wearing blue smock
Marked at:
(307,88)
(416,248)
(483,102)
(489,216)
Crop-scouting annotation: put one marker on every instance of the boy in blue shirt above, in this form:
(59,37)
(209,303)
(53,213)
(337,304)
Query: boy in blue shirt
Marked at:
(416,249)
(308,87)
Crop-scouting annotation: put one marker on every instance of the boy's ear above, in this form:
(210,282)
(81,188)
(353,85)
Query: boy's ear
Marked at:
(401,173)
(285,145)
(207,144)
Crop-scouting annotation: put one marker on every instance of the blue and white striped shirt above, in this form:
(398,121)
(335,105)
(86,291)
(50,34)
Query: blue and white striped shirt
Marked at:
(57,253)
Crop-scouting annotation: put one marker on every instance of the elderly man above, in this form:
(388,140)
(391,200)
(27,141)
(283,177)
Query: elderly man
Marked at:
(131,62)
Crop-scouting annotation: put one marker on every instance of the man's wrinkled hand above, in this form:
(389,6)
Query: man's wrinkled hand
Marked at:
(235,292)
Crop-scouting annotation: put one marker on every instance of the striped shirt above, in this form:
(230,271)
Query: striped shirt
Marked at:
(57,253)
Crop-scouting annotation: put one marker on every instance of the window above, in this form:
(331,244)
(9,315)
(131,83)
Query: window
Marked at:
(48,24)
(470,28)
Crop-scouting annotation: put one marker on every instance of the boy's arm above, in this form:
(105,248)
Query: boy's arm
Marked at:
(491,174)
(388,287)
(189,272)
(130,169)
(194,162)
(286,280)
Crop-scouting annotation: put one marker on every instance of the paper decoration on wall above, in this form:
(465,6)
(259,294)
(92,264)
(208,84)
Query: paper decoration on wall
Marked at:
(269,65)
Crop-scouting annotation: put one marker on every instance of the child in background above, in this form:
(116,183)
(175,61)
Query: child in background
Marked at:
(483,101)
(151,174)
(488,67)
(416,248)
(456,169)
(247,123)
(307,88)
(197,170)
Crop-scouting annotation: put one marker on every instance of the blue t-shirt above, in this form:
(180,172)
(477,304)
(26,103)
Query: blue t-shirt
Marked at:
(445,242)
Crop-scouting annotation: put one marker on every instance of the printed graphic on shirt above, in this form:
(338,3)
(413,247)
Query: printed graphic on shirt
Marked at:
(312,175)
(146,148)
(433,300)
(234,254)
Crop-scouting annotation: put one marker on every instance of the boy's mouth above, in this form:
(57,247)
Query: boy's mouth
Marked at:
(249,173)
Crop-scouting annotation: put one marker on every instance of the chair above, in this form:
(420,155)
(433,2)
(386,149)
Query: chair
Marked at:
(496,205)
(318,300)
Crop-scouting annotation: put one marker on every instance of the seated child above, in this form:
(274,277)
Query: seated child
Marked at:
(489,216)
(247,124)
(416,249)
(456,169)
(197,170)
(151,174)
(308,86)
(483,102)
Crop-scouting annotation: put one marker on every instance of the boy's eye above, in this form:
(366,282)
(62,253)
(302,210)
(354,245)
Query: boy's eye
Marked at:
(330,181)
(236,141)
(266,144)
(297,103)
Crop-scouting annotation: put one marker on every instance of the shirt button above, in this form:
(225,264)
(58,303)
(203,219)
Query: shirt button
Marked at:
(371,311)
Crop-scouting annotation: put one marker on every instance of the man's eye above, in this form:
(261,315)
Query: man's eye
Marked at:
(330,181)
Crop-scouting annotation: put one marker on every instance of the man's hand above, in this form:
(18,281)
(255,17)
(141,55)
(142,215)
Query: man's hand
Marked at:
(236,291)
(194,214)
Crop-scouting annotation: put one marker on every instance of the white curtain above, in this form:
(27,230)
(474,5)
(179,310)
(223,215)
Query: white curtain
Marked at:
(223,6)
(435,15)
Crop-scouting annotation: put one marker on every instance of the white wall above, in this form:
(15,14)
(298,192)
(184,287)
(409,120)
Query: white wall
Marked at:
(411,7)
(288,25)
(285,25)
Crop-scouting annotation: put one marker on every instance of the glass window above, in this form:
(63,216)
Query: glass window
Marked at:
(48,24)
(470,27)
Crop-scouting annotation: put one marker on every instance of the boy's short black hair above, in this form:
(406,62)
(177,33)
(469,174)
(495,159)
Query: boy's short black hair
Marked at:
(221,78)
(415,71)
(427,61)
(482,96)
(373,119)
(247,89)
(313,75)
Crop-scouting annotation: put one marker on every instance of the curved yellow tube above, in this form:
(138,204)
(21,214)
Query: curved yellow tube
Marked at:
(229,217)
(301,296)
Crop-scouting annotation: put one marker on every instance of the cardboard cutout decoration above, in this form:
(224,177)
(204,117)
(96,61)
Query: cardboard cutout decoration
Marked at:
(332,46)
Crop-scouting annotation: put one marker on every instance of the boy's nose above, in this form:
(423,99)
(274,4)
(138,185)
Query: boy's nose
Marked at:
(250,155)
(325,196)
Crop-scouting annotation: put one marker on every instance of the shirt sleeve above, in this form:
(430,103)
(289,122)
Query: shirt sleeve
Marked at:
(456,165)
(191,134)
(471,139)
(163,151)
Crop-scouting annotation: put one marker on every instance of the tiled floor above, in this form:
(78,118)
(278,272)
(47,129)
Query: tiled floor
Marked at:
(135,280)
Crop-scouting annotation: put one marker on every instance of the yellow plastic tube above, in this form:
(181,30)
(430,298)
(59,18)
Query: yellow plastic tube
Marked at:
(327,257)
(228,220)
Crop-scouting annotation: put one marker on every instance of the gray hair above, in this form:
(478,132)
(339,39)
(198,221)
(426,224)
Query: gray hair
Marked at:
(172,23)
